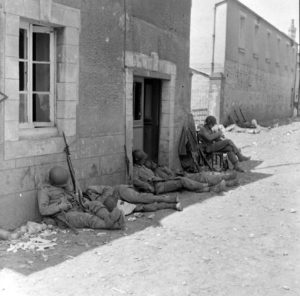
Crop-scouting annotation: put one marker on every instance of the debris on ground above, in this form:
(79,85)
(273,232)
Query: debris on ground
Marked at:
(33,244)
(131,218)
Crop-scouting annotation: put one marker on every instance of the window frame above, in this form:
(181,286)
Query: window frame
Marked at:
(35,28)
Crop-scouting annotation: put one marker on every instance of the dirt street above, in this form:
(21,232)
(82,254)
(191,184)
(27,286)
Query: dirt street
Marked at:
(243,242)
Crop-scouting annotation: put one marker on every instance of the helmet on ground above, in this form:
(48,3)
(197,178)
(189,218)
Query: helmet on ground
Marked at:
(139,156)
(58,176)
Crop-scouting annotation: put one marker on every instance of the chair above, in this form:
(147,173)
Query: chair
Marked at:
(214,160)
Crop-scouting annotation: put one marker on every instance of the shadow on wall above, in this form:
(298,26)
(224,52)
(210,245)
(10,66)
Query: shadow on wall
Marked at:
(70,245)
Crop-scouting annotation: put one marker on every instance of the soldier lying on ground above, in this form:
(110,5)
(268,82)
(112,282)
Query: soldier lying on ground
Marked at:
(56,201)
(215,142)
(145,179)
(211,178)
(144,202)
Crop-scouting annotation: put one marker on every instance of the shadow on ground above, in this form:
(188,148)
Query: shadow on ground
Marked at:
(70,245)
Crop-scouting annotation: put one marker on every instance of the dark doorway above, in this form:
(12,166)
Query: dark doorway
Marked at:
(146,115)
(152,103)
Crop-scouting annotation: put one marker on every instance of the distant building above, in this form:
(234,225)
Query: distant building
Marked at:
(110,74)
(249,63)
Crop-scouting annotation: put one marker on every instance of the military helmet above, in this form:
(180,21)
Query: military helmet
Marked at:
(58,176)
(210,120)
(139,156)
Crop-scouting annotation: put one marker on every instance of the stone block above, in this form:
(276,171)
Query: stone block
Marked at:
(11,68)
(72,17)
(27,148)
(51,158)
(12,24)
(129,59)
(111,164)
(12,46)
(57,13)
(67,53)
(88,168)
(66,109)
(17,180)
(11,130)
(7,164)
(32,9)
(67,125)
(67,91)
(99,146)
(11,110)
(67,72)
(68,36)
(25,162)
(12,89)
(45,10)
(165,120)
(14,7)
(18,208)
(114,179)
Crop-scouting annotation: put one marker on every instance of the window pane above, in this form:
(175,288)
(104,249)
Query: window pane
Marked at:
(41,77)
(41,108)
(23,109)
(41,47)
(23,66)
(22,44)
(137,101)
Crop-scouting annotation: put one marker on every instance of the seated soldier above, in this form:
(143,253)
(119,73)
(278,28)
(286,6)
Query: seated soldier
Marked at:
(215,142)
(145,179)
(56,201)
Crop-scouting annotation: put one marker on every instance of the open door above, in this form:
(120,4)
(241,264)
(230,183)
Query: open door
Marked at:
(146,112)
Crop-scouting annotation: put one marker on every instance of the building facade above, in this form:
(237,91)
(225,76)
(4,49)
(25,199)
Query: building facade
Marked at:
(252,65)
(109,74)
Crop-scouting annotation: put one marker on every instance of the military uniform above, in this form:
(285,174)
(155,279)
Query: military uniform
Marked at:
(52,201)
(146,180)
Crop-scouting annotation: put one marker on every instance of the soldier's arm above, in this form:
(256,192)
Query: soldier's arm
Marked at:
(44,206)
(209,136)
(141,184)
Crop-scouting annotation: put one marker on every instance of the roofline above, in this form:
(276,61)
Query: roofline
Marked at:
(257,15)
(193,70)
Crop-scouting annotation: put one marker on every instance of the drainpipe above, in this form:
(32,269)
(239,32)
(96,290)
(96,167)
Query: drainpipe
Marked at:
(214,36)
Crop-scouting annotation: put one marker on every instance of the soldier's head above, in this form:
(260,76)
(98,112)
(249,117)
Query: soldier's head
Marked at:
(139,157)
(150,164)
(210,121)
(58,176)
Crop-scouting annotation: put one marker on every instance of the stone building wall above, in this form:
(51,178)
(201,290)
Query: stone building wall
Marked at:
(92,89)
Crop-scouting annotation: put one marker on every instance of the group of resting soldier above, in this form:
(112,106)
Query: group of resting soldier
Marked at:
(99,207)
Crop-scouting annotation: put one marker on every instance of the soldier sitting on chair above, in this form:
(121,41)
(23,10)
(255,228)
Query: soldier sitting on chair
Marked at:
(215,142)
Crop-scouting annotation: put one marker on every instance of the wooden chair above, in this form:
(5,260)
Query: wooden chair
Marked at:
(214,160)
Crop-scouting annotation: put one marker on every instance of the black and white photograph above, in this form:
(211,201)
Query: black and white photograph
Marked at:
(149,148)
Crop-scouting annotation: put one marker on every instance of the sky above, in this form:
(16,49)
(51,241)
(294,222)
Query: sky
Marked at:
(277,12)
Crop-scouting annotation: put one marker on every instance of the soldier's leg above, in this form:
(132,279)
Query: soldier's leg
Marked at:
(205,177)
(152,207)
(168,186)
(115,217)
(85,220)
(132,196)
(192,185)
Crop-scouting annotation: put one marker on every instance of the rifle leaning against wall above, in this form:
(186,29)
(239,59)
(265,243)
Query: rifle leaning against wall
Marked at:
(76,187)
